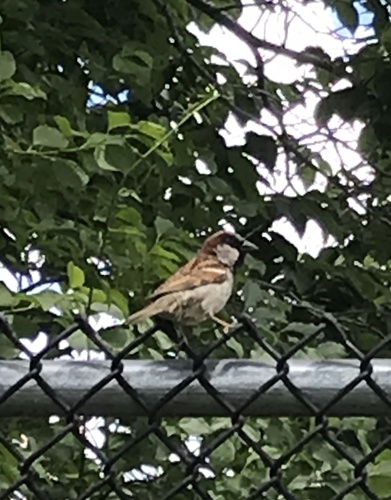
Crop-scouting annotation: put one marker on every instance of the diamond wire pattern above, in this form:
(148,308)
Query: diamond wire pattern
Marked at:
(191,465)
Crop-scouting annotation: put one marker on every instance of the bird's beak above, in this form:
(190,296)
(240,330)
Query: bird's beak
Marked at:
(247,246)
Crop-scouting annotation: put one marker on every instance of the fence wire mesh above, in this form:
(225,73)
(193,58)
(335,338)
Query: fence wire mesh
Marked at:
(120,468)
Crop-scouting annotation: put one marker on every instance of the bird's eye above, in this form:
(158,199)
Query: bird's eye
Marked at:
(233,241)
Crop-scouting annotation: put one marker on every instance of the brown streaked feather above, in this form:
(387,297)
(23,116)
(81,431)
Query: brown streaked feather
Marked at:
(201,270)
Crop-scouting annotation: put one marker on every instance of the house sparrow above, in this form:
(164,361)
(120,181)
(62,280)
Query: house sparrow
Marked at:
(202,287)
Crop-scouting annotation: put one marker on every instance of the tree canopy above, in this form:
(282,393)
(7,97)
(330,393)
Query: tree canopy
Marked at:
(116,161)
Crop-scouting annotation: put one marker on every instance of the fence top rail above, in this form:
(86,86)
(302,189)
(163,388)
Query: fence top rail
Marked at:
(134,388)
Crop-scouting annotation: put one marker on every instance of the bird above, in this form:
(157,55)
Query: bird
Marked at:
(201,288)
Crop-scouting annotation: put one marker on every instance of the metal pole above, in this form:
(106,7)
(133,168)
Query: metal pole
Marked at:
(235,380)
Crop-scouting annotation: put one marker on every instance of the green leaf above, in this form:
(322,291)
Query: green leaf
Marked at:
(130,216)
(166,156)
(236,347)
(323,111)
(110,309)
(117,337)
(331,350)
(83,177)
(261,147)
(347,14)
(6,297)
(155,354)
(64,125)
(255,264)
(151,129)
(349,103)
(159,251)
(24,326)
(194,426)
(23,89)
(47,299)
(7,65)
(11,114)
(140,57)
(252,293)
(80,342)
(117,119)
(8,351)
(100,157)
(69,173)
(117,298)
(163,226)
(324,166)
(367,140)
(302,328)
(252,432)
(129,193)
(307,175)
(134,62)
(120,157)
(299,482)
(384,456)
(382,466)
(381,483)
(164,341)
(97,139)
(224,454)
(75,276)
(43,135)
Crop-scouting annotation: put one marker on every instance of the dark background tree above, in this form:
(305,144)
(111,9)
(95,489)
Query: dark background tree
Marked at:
(106,111)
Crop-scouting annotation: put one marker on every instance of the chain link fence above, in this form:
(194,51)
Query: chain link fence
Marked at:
(149,395)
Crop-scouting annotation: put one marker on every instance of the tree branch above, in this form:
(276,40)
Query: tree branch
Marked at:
(255,42)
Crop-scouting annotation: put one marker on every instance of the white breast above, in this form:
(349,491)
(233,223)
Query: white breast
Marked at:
(217,295)
(208,300)
(198,304)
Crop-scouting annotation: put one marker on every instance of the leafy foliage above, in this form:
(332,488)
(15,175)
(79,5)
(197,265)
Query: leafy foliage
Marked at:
(114,167)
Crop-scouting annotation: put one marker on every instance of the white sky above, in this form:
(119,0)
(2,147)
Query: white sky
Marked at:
(311,24)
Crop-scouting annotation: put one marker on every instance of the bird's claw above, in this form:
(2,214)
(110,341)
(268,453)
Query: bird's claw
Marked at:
(228,327)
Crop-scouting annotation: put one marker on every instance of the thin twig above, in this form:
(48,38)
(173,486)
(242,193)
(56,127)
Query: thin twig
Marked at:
(253,41)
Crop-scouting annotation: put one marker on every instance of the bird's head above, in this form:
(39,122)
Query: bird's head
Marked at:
(229,248)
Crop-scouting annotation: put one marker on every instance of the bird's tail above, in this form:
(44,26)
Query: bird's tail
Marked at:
(157,307)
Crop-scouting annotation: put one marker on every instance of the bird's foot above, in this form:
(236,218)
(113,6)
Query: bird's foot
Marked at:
(226,326)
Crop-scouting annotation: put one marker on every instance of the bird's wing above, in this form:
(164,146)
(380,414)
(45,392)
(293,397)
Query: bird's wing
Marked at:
(195,273)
